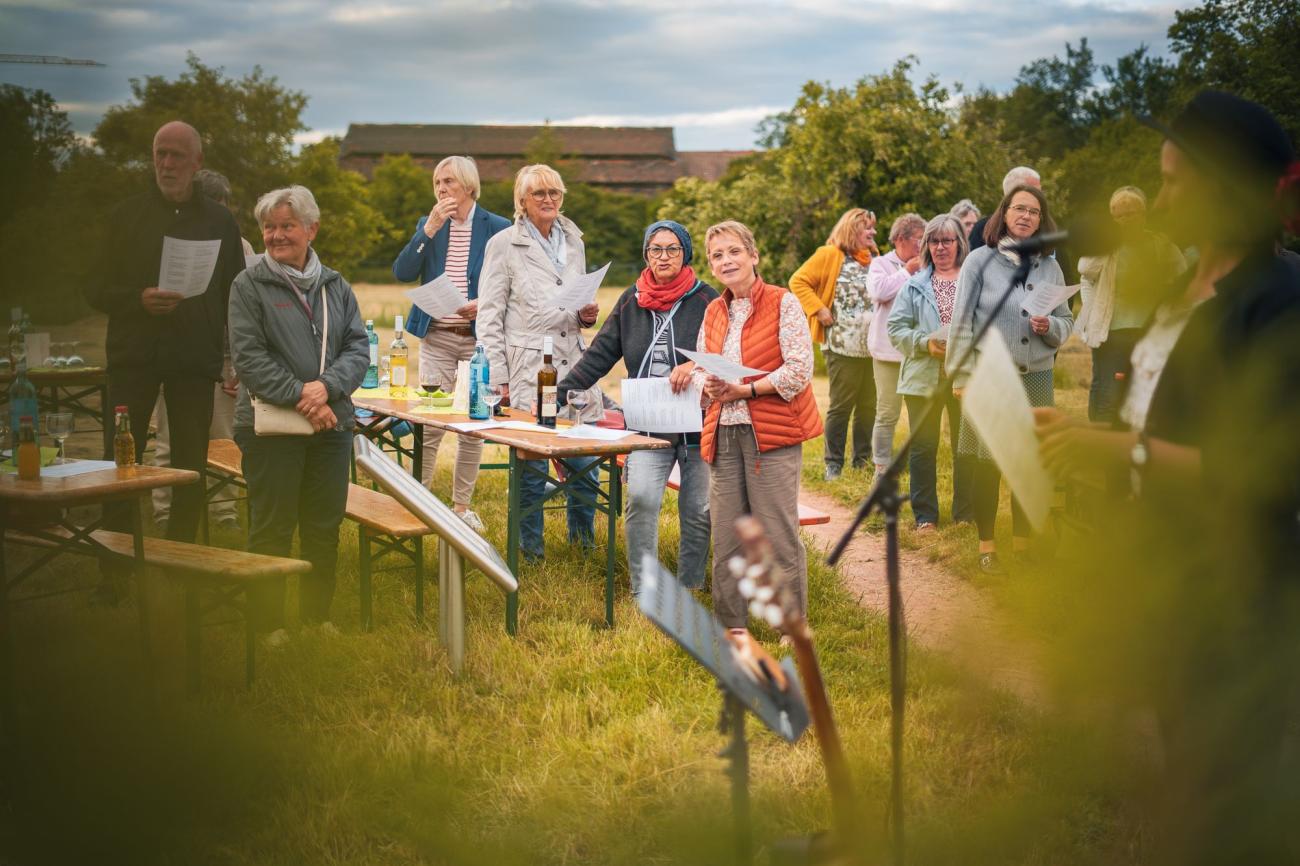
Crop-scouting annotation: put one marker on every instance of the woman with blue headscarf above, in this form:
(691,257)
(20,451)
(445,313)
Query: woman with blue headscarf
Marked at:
(655,317)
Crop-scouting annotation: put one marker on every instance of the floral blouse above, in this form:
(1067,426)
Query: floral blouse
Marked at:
(789,379)
(852,310)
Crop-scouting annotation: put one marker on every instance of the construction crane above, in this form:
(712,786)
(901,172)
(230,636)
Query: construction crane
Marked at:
(46,60)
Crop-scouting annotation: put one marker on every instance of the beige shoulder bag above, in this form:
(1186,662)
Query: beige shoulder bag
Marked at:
(270,419)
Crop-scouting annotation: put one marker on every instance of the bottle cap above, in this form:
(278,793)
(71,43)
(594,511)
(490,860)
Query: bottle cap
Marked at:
(119,408)
(548,345)
(370,323)
(397,323)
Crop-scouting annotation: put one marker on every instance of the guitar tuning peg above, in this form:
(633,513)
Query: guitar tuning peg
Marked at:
(773,615)
(758,610)
(764,593)
(756,570)
(736,565)
(746,587)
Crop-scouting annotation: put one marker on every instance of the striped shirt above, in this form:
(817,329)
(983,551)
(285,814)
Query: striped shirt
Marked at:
(458,263)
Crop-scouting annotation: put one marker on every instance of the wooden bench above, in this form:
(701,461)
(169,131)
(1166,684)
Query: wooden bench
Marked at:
(808,516)
(226,574)
(384,525)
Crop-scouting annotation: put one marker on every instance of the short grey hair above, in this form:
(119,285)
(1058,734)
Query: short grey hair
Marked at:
(465,170)
(298,198)
(943,223)
(905,226)
(964,208)
(1020,175)
(214,185)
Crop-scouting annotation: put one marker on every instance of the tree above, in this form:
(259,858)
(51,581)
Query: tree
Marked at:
(401,191)
(36,139)
(247,126)
(350,229)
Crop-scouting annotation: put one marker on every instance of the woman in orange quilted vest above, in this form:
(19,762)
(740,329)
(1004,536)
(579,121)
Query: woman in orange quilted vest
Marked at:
(754,425)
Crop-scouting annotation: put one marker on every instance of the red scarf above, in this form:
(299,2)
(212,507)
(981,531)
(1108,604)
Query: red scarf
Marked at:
(662,296)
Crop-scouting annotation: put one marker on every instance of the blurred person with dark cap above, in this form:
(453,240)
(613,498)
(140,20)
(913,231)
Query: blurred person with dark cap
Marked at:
(1204,562)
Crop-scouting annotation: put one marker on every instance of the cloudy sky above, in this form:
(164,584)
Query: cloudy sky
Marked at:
(711,70)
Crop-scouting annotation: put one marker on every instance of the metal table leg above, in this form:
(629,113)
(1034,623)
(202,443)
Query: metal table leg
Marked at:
(614,508)
(512,541)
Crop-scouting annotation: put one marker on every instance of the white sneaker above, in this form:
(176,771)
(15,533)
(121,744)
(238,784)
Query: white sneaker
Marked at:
(276,639)
(472,520)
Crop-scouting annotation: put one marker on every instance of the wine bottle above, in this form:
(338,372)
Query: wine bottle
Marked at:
(371,379)
(397,363)
(547,377)
(123,441)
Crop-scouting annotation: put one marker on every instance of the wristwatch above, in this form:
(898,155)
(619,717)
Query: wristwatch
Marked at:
(753,390)
(1139,458)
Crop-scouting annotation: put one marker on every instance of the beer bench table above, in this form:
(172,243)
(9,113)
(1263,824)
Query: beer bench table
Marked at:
(382,522)
(67,389)
(527,445)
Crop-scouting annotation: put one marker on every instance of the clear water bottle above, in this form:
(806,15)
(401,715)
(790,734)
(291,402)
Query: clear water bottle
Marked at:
(478,384)
(372,372)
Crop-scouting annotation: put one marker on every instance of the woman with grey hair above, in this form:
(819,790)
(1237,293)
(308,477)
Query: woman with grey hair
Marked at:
(297,341)
(917,323)
(967,214)
(886,275)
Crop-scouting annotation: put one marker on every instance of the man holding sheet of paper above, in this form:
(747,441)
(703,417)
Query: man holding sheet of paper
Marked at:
(446,255)
(165,294)
(650,324)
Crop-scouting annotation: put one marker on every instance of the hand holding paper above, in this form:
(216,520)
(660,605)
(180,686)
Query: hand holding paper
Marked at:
(1045,298)
(577,292)
(651,405)
(187,266)
(723,368)
(439,297)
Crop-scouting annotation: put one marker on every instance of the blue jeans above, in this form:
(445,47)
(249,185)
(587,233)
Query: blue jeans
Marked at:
(581,510)
(1110,359)
(647,478)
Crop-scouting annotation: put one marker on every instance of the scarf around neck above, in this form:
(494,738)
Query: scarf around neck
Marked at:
(305,280)
(1004,247)
(555,246)
(661,296)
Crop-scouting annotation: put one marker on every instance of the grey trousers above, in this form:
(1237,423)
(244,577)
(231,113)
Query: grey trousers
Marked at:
(742,481)
(440,351)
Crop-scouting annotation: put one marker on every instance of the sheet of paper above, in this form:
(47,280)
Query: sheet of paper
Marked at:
(187,266)
(525,427)
(38,349)
(77,467)
(1046,298)
(439,297)
(651,405)
(996,404)
(723,368)
(474,426)
(587,431)
(578,291)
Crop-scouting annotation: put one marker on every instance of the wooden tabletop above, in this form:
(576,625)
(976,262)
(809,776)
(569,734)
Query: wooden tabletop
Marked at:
(102,484)
(542,444)
(44,377)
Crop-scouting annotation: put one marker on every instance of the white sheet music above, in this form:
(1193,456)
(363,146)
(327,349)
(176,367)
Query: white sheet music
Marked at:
(187,266)
(651,405)
(439,297)
(723,368)
(588,431)
(996,404)
(579,291)
(1046,298)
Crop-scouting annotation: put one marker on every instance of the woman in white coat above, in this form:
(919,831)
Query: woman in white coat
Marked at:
(523,268)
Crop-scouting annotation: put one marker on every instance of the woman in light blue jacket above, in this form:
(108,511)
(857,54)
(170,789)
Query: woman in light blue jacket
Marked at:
(917,327)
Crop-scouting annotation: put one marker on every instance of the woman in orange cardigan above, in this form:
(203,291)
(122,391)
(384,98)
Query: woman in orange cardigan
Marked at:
(832,288)
(754,429)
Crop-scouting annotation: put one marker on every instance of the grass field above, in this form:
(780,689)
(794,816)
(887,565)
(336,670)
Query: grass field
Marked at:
(569,744)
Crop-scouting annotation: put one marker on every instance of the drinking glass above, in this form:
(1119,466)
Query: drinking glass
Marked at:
(384,364)
(428,384)
(58,426)
(578,400)
(75,359)
(492,397)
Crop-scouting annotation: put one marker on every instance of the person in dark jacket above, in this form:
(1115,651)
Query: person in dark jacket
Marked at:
(159,340)
(1018,176)
(450,240)
(1206,555)
(650,321)
(278,320)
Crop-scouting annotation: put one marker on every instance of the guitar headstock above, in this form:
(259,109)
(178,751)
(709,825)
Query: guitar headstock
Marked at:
(763,584)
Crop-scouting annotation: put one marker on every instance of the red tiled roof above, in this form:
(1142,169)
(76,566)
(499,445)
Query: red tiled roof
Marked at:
(445,139)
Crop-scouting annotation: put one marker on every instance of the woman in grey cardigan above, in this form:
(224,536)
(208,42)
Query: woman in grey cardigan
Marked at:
(1031,340)
(278,318)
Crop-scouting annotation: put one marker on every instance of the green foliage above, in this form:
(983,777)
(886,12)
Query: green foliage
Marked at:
(36,139)
(401,191)
(247,126)
(350,228)
(612,224)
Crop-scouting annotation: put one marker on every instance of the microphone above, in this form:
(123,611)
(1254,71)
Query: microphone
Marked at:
(1087,238)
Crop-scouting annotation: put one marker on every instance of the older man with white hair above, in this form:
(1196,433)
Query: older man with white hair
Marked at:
(161,340)
(1021,175)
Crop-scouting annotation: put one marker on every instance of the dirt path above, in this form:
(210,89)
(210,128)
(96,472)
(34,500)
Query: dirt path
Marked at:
(944,612)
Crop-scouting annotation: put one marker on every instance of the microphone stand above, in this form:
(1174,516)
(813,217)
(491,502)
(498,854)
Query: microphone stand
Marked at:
(885,495)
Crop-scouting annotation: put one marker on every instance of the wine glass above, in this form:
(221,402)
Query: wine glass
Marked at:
(578,400)
(429,383)
(384,365)
(58,426)
(492,397)
(75,359)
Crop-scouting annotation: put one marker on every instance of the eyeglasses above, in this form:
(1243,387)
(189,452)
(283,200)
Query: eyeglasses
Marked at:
(942,242)
(543,194)
(663,252)
(1031,211)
